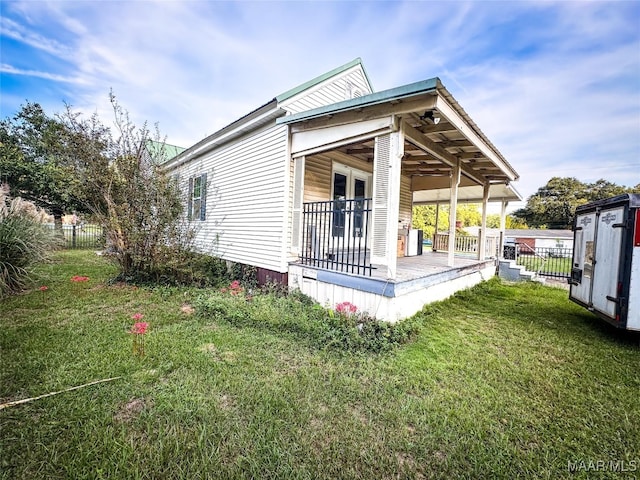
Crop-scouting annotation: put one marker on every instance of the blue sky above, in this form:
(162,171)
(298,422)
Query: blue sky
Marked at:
(554,85)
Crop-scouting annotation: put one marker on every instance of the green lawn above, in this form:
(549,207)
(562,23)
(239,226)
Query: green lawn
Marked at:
(503,381)
(557,265)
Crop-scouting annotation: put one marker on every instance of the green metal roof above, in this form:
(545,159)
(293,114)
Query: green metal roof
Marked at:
(404,91)
(161,152)
(301,88)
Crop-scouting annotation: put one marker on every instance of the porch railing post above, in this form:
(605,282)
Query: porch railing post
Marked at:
(453,203)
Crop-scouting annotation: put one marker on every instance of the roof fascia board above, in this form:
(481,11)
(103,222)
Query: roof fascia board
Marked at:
(366,76)
(317,80)
(254,119)
(398,93)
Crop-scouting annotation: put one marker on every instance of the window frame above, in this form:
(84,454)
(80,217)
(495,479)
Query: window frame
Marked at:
(197,198)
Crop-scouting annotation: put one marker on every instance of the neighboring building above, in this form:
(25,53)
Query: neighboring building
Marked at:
(161,152)
(315,188)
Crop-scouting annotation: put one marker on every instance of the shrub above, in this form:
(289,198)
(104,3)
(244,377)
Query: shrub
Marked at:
(183,267)
(24,242)
(300,316)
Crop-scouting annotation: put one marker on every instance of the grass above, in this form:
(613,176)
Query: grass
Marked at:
(555,265)
(503,381)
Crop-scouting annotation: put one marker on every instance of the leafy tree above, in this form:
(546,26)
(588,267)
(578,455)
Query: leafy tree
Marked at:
(424,218)
(603,189)
(554,204)
(32,162)
(511,222)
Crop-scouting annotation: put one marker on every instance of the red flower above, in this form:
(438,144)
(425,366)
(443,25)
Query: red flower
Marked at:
(346,308)
(44,288)
(140,328)
(79,278)
(137,316)
(235,285)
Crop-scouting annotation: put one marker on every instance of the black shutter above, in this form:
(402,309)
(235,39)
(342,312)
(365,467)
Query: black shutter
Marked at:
(203,196)
(190,200)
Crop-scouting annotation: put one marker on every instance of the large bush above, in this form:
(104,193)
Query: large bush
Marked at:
(139,205)
(24,242)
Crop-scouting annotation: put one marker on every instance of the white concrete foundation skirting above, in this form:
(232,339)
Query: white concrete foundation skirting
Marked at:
(385,299)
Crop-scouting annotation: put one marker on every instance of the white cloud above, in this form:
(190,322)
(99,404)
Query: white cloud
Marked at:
(553,85)
(8,69)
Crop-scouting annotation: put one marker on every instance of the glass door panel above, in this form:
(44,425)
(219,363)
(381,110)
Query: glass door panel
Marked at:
(339,197)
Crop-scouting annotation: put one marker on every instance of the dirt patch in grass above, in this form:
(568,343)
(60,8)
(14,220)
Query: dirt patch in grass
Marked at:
(211,350)
(187,309)
(131,410)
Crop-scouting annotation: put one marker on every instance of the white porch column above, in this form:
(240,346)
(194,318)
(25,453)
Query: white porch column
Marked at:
(433,244)
(453,202)
(503,223)
(388,153)
(482,237)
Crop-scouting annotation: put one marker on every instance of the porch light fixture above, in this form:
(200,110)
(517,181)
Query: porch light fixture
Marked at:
(428,115)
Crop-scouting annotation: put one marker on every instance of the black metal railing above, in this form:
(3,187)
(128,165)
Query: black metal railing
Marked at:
(552,262)
(336,235)
(82,236)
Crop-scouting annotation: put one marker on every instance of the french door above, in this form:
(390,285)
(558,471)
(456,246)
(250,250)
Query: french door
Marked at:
(350,187)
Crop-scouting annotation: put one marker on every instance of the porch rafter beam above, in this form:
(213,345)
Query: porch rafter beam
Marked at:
(453,117)
(421,141)
(442,127)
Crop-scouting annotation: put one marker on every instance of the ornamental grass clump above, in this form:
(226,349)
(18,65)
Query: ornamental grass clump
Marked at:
(25,242)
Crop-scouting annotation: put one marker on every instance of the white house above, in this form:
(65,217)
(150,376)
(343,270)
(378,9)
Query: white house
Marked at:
(315,188)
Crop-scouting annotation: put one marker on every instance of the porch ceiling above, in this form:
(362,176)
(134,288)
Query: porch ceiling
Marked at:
(467,194)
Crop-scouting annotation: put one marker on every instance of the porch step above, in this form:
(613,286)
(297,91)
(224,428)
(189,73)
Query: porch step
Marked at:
(510,271)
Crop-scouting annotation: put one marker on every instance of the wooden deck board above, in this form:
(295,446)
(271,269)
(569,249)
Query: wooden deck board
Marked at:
(429,263)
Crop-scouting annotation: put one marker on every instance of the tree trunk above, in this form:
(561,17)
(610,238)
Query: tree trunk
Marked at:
(57,221)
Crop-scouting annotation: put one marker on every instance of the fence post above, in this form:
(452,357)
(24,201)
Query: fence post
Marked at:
(73,237)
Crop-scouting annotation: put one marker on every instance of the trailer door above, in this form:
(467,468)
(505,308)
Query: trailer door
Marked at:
(583,251)
(608,255)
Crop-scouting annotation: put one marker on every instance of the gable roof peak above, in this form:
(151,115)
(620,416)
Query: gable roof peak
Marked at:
(321,78)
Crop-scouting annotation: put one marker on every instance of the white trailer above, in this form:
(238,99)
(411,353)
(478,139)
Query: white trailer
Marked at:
(605,273)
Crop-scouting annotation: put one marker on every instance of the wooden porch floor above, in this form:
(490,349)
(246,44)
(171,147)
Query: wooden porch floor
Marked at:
(429,263)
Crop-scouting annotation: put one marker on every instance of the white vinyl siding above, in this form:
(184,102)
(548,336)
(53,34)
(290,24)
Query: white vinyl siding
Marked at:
(331,91)
(246,199)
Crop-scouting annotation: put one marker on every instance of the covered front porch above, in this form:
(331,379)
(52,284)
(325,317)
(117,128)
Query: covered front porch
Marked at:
(359,166)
